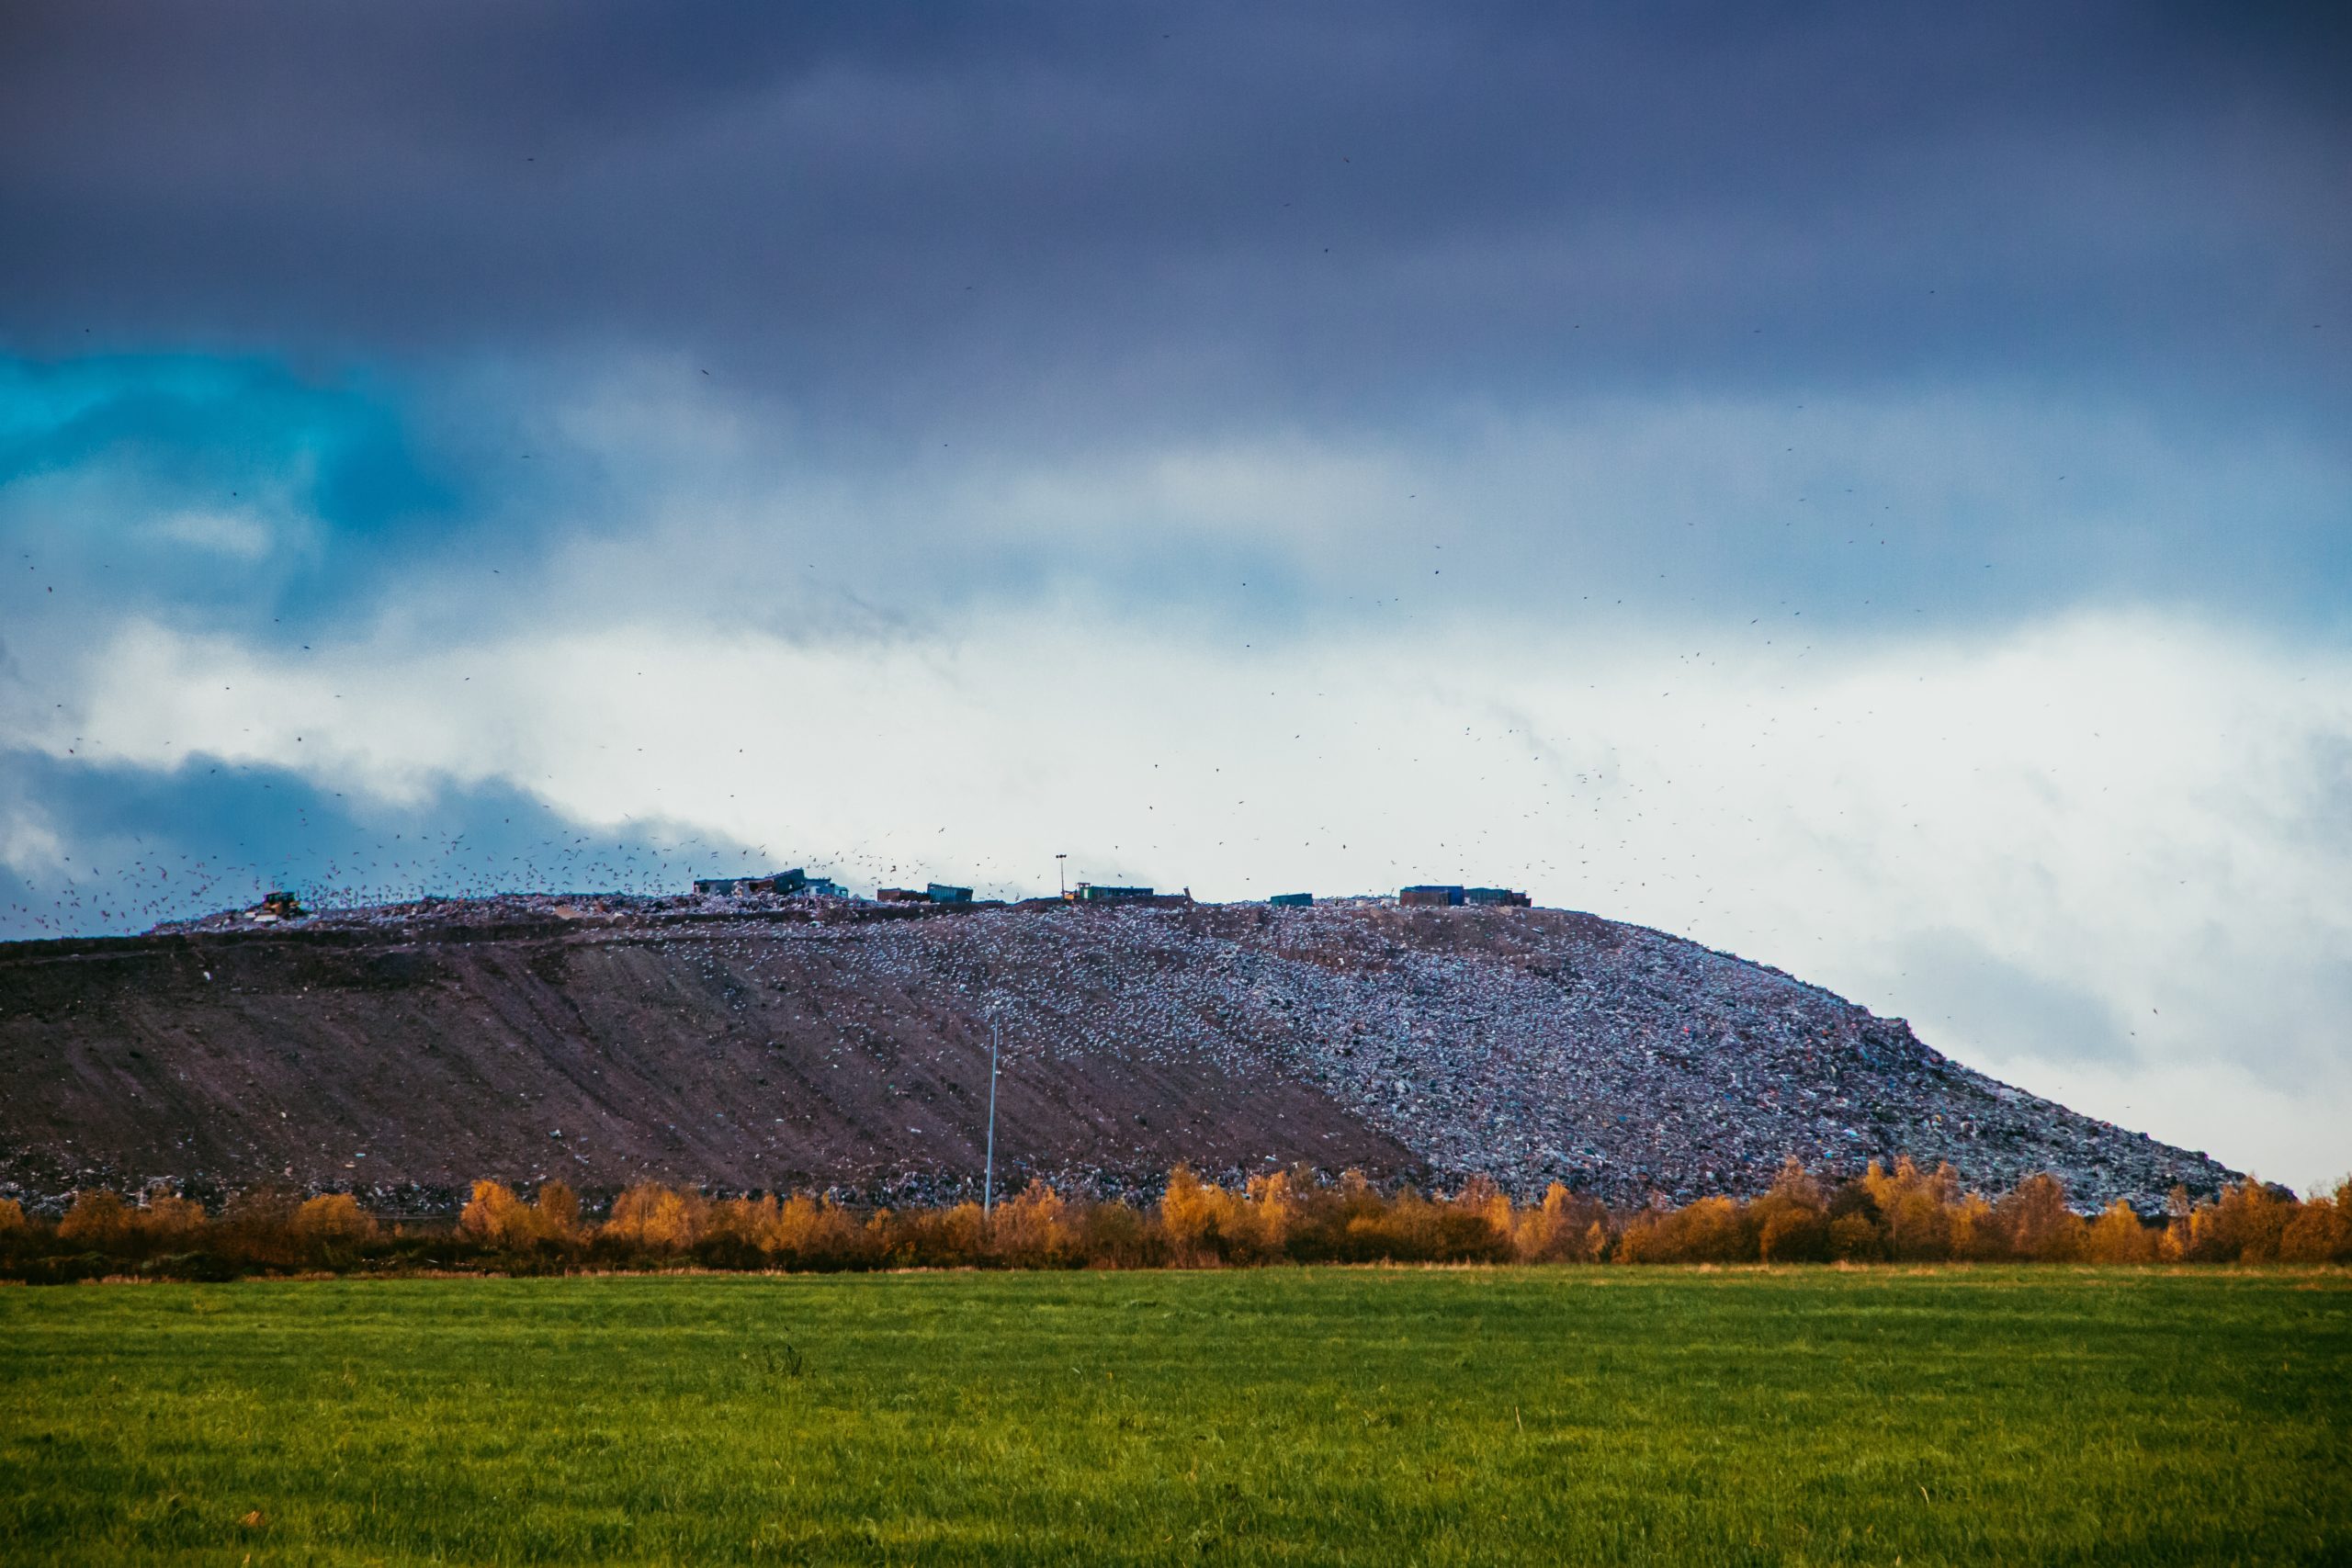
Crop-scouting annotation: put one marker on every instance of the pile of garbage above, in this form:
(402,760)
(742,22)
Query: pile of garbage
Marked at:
(1536,1047)
(1526,1045)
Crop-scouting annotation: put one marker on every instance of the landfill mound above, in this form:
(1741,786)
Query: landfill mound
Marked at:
(800,1044)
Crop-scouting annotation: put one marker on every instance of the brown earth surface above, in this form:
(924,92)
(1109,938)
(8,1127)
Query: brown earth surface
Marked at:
(763,1044)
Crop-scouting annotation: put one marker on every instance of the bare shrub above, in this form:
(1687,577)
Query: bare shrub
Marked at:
(2321,1231)
(1563,1228)
(169,1220)
(555,1213)
(1119,1235)
(1271,1211)
(1791,1220)
(655,1218)
(2119,1236)
(96,1219)
(1854,1239)
(1710,1230)
(1204,1221)
(2036,1223)
(1409,1228)
(256,1226)
(1033,1231)
(932,1237)
(495,1217)
(1793,1236)
(1976,1234)
(1855,1234)
(1915,1209)
(335,1219)
(807,1233)
(2250,1221)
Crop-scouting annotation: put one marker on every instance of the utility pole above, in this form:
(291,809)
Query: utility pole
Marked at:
(987,1180)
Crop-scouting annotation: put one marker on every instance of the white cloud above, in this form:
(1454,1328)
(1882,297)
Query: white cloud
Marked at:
(30,845)
(1968,503)
(240,535)
(2107,855)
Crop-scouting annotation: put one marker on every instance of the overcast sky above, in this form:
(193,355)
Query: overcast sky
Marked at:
(1866,488)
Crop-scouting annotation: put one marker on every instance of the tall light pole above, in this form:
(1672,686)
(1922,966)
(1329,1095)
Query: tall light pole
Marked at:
(1061,871)
(988,1177)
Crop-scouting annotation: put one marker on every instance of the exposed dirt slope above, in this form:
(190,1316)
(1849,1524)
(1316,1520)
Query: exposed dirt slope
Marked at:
(770,1049)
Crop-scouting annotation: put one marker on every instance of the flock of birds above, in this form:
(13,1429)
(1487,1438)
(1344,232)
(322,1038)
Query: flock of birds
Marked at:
(132,881)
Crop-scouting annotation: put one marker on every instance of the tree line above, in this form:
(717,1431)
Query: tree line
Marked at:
(1905,1214)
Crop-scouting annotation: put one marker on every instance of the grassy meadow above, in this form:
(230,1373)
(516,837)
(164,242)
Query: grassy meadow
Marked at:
(1377,1415)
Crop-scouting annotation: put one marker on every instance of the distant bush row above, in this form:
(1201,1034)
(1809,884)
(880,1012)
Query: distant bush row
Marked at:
(1905,1214)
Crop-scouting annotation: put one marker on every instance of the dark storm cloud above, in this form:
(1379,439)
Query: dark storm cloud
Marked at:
(202,487)
(1019,217)
(137,846)
(197,425)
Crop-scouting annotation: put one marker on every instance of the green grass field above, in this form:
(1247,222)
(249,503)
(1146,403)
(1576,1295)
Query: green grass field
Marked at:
(1296,1415)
